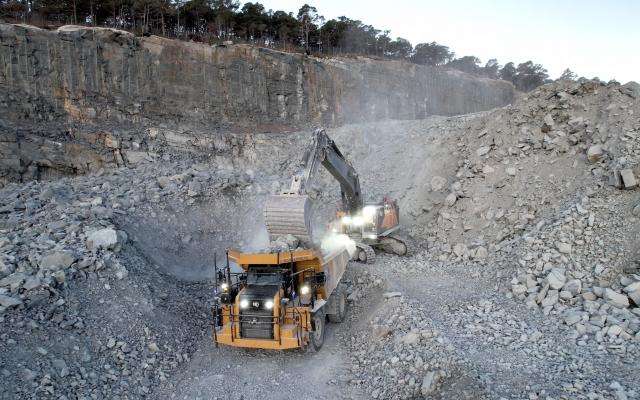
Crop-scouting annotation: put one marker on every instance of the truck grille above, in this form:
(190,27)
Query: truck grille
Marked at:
(256,323)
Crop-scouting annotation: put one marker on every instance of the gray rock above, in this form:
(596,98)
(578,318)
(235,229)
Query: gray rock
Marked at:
(5,268)
(484,150)
(57,260)
(556,278)
(9,301)
(13,281)
(411,338)
(616,299)
(572,316)
(450,200)
(595,153)
(438,183)
(564,248)
(284,243)
(460,249)
(635,297)
(480,253)
(518,289)
(32,282)
(598,320)
(430,383)
(632,287)
(163,181)
(61,367)
(631,89)
(106,238)
(195,188)
(551,299)
(389,295)
(628,179)
(574,286)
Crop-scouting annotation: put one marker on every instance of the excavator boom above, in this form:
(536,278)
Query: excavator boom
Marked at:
(290,212)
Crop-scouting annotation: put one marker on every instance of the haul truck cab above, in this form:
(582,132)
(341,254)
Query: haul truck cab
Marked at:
(279,300)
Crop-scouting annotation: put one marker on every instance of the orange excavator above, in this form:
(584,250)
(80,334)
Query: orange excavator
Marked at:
(369,225)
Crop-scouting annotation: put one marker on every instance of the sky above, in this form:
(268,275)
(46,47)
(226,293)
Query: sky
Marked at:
(592,38)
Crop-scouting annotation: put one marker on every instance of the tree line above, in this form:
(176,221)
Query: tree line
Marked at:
(215,21)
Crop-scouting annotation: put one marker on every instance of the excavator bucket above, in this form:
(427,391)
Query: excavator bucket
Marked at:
(288,214)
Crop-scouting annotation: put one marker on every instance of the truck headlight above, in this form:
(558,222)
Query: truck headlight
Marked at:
(346,220)
(268,304)
(304,290)
(244,303)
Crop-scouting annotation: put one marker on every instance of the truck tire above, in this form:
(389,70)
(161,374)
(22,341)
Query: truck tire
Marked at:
(339,308)
(316,337)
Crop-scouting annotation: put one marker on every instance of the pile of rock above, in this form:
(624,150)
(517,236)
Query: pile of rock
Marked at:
(404,358)
(540,150)
(284,244)
(574,269)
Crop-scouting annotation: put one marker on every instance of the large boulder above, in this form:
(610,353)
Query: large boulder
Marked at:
(616,299)
(57,260)
(8,301)
(107,238)
(13,281)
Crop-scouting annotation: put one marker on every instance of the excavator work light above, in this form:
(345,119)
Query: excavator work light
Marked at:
(369,211)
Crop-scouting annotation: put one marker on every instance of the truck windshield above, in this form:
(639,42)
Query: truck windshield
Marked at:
(264,278)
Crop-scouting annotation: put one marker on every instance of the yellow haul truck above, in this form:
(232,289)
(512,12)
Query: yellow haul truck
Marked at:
(279,300)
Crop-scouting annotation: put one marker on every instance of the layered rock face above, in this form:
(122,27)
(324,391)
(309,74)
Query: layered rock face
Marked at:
(79,99)
(91,74)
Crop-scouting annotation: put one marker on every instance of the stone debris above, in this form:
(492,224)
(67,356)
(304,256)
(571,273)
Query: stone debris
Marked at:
(628,179)
(9,301)
(595,153)
(56,260)
(284,244)
(556,278)
(616,299)
(105,239)
(429,383)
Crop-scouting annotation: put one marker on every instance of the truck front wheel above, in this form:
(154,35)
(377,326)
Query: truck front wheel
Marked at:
(316,337)
(339,306)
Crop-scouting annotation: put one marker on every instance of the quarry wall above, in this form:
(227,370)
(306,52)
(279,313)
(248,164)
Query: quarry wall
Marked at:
(91,74)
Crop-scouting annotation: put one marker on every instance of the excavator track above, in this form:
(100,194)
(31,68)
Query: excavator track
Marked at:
(393,244)
(365,253)
(288,214)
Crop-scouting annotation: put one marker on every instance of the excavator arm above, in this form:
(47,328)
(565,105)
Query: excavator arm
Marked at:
(290,212)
